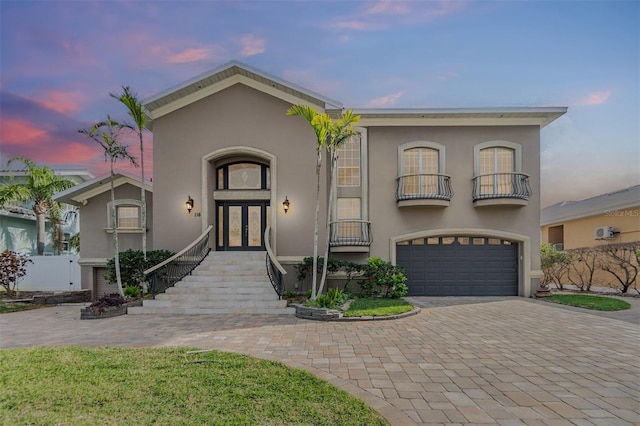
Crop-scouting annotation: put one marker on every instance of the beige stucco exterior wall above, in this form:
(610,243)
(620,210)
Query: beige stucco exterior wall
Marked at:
(96,245)
(389,220)
(235,117)
(580,232)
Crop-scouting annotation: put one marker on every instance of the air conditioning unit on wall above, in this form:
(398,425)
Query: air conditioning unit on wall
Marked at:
(604,232)
(558,246)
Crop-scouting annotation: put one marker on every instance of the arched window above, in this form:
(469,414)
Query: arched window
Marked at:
(244,175)
(421,172)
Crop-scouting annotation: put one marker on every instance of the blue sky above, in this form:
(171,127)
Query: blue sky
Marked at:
(60,59)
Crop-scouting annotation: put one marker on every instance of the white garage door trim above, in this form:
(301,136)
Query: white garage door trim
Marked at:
(524,248)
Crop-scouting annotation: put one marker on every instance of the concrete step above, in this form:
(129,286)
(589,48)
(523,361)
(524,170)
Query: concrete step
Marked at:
(214,297)
(222,288)
(204,283)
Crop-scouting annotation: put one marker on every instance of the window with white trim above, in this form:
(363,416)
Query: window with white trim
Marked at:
(497,171)
(421,168)
(128,216)
(349,214)
(349,162)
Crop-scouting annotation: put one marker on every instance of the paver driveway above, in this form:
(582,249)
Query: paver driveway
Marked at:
(507,361)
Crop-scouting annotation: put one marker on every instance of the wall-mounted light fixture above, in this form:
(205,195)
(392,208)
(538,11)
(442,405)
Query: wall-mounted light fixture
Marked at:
(189,204)
(285,204)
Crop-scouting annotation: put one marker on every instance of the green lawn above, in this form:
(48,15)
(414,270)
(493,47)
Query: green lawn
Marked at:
(6,307)
(597,303)
(377,307)
(144,386)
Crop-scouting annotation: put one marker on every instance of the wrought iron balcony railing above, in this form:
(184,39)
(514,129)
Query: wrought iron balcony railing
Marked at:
(424,187)
(350,233)
(501,185)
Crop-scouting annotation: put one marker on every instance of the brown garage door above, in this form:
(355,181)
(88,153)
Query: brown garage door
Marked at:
(459,266)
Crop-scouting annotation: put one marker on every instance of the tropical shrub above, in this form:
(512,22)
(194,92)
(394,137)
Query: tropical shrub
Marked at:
(132,291)
(132,266)
(13,266)
(351,269)
(380,278)
(107,300)
(332,299)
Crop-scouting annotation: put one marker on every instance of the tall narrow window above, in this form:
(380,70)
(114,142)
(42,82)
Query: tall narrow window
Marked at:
(349,215)
(496,167)
(421,166)
(349,162)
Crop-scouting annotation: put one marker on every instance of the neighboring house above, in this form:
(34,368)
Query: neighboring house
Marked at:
(451,195)
(613,217)
(93,200)
(18,230)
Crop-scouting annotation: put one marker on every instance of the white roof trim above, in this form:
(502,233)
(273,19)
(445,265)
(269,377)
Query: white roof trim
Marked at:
(78,194)
(199,84)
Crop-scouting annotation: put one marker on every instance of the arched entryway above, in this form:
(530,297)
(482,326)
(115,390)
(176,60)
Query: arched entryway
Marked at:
(239,185)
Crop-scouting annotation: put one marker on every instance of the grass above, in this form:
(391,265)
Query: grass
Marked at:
(597,303)
(377,307)
(145,386)
(7,307)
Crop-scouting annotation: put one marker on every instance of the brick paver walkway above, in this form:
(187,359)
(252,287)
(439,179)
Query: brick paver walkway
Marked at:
(507,361)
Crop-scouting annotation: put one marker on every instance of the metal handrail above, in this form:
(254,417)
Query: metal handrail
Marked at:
(430,186)
(501,185)
(275,271)
(350,233)
(178,266)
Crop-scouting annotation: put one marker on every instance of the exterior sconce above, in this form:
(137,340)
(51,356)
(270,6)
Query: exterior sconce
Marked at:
(189,204)
(285,204)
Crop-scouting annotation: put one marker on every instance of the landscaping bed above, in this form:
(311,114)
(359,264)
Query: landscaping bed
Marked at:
(598,303)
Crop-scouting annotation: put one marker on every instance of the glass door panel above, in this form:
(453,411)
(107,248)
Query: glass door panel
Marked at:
(235,226)
(241,225)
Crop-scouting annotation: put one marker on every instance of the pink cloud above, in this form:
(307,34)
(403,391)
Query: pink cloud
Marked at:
(21,132)
(595,98)
(189,55)
(251,45)
(385,101)
(62,102)
(388,7)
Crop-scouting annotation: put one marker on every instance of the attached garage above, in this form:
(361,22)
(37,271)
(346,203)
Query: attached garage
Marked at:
(459,266)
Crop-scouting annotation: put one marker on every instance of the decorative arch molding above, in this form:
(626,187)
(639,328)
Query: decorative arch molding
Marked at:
(524,248)
(442,160)
(233,151)
(517,150)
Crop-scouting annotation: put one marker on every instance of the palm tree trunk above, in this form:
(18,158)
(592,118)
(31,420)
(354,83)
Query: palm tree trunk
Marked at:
(143,202)
(114,228)
(332,162)
(314,281)
(40,234)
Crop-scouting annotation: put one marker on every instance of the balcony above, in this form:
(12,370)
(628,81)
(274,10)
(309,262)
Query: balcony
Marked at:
(511,189)
(350,236)
(424,190)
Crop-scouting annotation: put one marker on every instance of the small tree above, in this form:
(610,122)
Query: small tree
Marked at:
(554,264)
(621,261)
(13,266)
(106,135)
(584,265)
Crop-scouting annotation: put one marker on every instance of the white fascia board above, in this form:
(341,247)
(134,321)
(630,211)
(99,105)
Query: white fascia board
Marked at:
(451,121)
(79,193)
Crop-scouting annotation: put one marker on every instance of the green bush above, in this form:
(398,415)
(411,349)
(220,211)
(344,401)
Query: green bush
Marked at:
(132,266)
(332,299)
(382,279)
(351,269)
(132,291)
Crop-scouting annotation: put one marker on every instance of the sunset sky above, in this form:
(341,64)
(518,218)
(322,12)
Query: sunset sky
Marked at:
(60,59)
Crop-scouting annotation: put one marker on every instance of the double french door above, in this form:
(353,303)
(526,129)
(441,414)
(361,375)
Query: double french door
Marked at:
(241,225)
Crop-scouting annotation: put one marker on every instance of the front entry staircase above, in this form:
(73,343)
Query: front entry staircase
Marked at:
(226,282)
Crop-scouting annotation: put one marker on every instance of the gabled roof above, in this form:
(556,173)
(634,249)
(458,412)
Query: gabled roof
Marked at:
(80,194)
(225,76)
(600,204)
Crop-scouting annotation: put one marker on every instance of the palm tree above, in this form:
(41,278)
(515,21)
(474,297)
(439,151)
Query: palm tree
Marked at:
(340,131)
(106,135)
(42,183)
(320,125)
(134,106)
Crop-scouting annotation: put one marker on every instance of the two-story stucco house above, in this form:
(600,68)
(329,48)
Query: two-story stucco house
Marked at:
(451,195)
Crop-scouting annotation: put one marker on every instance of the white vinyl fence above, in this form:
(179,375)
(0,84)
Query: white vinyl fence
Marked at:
(52,273)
